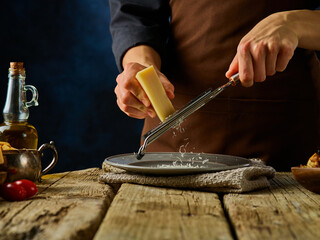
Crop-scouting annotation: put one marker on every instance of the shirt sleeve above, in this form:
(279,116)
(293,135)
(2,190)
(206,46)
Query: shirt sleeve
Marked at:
(136,22)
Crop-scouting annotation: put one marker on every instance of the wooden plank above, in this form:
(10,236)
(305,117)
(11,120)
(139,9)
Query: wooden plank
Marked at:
(143,212)
(69,205)
(285,211)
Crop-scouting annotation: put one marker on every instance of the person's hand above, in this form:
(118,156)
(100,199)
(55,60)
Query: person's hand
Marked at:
(265,50)
(131,98)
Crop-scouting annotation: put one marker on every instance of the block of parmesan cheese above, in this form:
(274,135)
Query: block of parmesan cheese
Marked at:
(150,82)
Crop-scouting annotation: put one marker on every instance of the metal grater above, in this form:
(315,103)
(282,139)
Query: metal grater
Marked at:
(178,116)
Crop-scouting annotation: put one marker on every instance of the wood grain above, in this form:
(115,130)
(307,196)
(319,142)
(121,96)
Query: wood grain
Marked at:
(74,205)
(285,211)
(69,205)
(144,212)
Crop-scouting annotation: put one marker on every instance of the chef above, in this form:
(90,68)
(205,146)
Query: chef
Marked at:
(196,45)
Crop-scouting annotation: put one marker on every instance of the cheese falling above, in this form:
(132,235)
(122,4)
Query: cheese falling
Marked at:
(150,82)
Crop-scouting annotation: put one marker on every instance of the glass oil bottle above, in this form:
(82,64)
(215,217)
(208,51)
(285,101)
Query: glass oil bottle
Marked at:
(15,129)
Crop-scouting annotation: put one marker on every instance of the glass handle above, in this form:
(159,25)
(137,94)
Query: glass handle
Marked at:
(35,95)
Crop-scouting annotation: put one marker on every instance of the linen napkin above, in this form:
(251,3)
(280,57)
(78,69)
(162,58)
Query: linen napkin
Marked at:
(245,179)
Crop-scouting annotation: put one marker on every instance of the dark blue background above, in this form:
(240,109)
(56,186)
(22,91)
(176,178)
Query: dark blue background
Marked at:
(66,47)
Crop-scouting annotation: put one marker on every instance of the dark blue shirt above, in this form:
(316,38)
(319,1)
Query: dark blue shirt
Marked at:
(137,22)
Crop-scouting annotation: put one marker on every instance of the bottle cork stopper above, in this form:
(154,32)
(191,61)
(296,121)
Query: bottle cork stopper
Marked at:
(16,65)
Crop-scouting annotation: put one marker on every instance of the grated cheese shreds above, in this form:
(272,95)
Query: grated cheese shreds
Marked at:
(187,165)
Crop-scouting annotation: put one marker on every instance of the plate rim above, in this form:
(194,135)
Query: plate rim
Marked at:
(172,171)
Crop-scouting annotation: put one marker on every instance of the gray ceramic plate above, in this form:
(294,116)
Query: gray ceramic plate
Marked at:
(176,163)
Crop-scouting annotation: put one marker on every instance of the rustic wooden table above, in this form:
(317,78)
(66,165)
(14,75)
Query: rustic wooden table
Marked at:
(74,205)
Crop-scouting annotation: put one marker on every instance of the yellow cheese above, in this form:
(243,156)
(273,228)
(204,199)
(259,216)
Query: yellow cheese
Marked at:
(150,82)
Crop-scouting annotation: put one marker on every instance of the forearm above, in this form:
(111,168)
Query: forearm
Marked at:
(143,55)
(306,25)
(271,44)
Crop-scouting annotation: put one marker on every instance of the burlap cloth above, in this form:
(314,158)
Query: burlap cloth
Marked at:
(238,180)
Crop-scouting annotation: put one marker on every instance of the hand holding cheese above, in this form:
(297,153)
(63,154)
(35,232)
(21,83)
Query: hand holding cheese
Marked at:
(131,97)
(150,82)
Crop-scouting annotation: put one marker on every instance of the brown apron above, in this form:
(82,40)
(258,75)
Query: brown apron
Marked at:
(275,120)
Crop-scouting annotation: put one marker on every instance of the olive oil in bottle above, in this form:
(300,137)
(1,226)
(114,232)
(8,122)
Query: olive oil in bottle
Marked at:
(15,129)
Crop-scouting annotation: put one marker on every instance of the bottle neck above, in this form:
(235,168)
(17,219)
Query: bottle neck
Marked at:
(14,109)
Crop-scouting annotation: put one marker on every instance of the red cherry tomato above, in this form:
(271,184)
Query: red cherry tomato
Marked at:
(28,185)
(12,192)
